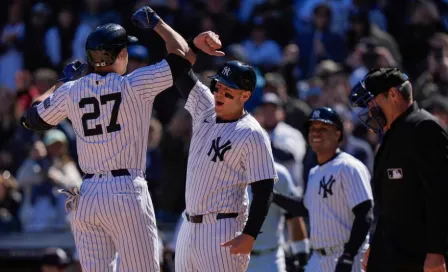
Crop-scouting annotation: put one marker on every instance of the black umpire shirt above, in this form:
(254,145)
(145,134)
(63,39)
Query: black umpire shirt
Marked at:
(410,192)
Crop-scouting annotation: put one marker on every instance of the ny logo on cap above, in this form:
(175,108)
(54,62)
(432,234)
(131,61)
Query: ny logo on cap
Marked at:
(316,114)
(226,71)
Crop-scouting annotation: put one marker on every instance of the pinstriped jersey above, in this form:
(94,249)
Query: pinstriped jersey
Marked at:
(334,189)
(224,158)
(110,115)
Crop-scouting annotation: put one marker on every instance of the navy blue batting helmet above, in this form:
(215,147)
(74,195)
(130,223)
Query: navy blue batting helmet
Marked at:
(236,75)
(328,116)
(105,42)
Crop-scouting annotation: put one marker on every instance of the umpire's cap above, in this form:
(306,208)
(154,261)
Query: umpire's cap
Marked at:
(375,82)
(105,42)
(236,75)
(328,116)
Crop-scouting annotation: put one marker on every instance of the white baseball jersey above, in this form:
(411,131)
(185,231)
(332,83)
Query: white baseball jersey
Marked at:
(287,138)
(334,189)
(110,115)
(224,158)
(113,213)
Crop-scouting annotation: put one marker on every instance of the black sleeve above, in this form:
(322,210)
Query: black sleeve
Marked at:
(185,82)
(261,200)
(292,205)
(31,120)
(361,225)
(431,159)
(178,65)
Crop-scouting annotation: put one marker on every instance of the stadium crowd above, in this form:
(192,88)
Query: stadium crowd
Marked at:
(308,54)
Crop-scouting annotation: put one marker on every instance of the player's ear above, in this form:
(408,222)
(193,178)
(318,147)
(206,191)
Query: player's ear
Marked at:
(246,95)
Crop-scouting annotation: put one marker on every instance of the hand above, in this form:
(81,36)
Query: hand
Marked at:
(435,263)
(208,42)
(345,263)
(242,244)
(365,259)
(72,71)
(145,18)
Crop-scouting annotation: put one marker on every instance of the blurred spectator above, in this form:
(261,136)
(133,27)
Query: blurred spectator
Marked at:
(335,89)
(10,199)
(264,52)
(414,39)
(366,56)
(39,209)
(437,105)
(435,79)
(154,159)
(174,149)
(339,9)
(276,15)
(35,53)
(288,144)
(8,127)
(310,91)
(44,79)
(59,38)
(290,68)
(375,12)
(55,260)
(138,57)
(11,56)
(319,42)
(360,27)
(296,111)
(96,12)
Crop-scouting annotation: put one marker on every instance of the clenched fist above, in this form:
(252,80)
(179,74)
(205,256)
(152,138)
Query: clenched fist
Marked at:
(209,43)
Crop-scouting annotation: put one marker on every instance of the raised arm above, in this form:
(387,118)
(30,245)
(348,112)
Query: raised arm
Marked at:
(49,109)
(153,79)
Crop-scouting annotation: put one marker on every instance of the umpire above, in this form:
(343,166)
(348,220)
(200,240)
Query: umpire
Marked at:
(410,176)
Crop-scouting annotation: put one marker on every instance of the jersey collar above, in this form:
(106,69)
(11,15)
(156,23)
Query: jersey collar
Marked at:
(218,120)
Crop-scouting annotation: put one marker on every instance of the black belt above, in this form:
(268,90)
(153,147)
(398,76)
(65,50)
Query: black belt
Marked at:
(115,173)
(263,251)
(198,218)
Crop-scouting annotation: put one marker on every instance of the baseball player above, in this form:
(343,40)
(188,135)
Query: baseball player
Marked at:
(229,151)
(110,115)
(268,253)
(338,199)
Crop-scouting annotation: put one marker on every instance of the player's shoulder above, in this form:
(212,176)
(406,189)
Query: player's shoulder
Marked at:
(284,128)
(250,125)
(347,162)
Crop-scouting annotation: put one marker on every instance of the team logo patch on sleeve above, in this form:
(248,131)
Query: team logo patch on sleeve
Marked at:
(395,173)
(47,103)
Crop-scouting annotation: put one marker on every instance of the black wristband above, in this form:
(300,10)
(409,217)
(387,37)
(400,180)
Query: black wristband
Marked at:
(193,46)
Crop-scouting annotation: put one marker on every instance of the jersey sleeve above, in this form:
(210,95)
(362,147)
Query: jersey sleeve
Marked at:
(356,184)
(259,162)
(54,108)
(199,100)
(151,80)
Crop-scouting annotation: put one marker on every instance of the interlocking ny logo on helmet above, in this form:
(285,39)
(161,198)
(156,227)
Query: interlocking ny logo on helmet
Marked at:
(236,75)
(226,71)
